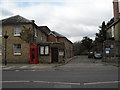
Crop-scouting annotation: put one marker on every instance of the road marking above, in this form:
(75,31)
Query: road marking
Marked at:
(57,82)
(23,66)
(15,81)
(101,82)
(9,67)
(17,70)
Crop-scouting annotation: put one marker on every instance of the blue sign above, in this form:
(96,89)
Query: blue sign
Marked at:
(107,49)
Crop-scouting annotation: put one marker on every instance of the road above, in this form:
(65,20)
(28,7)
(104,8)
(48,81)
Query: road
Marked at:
(80,72)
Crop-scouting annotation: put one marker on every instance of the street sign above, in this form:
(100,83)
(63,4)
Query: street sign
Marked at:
(107,49)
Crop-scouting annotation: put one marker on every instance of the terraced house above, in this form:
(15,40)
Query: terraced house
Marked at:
(48,46)
(112,44)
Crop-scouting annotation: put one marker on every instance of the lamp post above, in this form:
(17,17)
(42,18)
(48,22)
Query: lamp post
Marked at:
(5,37)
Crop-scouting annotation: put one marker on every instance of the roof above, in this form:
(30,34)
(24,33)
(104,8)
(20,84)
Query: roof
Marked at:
(60,36)
(57,34)
(15,20)
(113,23)
(45,29)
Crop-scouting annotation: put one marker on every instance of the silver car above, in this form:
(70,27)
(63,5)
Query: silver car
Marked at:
(98,56)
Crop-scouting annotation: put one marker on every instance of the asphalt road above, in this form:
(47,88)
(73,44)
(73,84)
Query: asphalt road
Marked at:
(81,72)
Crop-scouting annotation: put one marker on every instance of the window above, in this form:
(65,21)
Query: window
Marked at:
(17,49)
(112,31)
(44,50)
(17,31)
(36,33)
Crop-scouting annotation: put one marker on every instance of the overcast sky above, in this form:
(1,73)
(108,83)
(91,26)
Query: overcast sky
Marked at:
(71,18)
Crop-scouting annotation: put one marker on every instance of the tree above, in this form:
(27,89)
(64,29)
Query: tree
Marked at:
(27,35)
(87,42)
(83,46)
(78,48)
(101,36)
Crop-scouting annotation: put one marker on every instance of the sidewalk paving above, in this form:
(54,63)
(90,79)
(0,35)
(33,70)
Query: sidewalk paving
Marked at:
(32,66)
(27,66)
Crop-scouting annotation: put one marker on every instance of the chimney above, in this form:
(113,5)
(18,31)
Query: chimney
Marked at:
(116,9)
(33,21)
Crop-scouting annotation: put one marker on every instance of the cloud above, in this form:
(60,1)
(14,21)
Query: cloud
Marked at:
(5,12)
(72,18)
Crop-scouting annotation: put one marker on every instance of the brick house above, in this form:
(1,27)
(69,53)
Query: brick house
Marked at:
(56,37)
(18,51)
(112,44)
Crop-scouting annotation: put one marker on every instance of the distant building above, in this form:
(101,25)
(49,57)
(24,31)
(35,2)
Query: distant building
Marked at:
(48,46)
(112,44)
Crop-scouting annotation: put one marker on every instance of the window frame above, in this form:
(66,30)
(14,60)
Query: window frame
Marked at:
(16,53)
(44,50)
(15,30)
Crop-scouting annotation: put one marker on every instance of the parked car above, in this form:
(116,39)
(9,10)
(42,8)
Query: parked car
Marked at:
(98,56)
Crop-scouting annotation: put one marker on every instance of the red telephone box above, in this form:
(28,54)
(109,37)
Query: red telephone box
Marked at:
(33,54)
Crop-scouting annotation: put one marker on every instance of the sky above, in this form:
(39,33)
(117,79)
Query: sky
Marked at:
(74,19)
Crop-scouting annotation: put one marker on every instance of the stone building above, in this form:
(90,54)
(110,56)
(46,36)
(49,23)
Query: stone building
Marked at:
(18,51)
(112,44)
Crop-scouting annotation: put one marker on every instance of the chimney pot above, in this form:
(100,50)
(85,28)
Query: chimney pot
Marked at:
(116,9)
(115,0)
(33,21)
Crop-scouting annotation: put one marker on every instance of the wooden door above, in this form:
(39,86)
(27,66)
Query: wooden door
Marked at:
(54,55)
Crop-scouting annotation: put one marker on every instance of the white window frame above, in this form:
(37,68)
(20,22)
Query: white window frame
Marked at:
(18,30)
(44,50)
(41,50)
(16,53)
(112,31)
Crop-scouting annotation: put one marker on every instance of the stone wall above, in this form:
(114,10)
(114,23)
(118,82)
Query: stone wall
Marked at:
(11,58)
(114,51)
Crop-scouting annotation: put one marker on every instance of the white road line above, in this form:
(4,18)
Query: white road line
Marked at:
(23,66)
(108,82)
(57,82)
(17,70)
(14,81)
(64,83)
(9,67)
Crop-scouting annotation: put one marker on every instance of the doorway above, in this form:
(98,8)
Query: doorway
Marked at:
(54,55)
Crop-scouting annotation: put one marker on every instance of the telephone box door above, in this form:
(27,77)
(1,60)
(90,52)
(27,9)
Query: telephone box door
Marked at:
(33,54)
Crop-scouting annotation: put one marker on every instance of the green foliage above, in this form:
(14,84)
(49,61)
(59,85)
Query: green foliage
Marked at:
(101,36)
(87,42)
(83,46)
(27,35)
(78,48)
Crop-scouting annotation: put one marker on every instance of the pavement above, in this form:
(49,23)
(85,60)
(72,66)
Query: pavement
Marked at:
(32,66)
(28,66)
(49,66)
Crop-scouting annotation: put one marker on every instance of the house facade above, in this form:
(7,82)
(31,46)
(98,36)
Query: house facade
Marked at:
(112,44)
(56,37)
(44,50)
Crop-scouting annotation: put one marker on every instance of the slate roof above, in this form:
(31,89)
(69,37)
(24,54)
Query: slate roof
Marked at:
(60,36)
(57,34)
(15,20)
(112,24)
(45,29)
